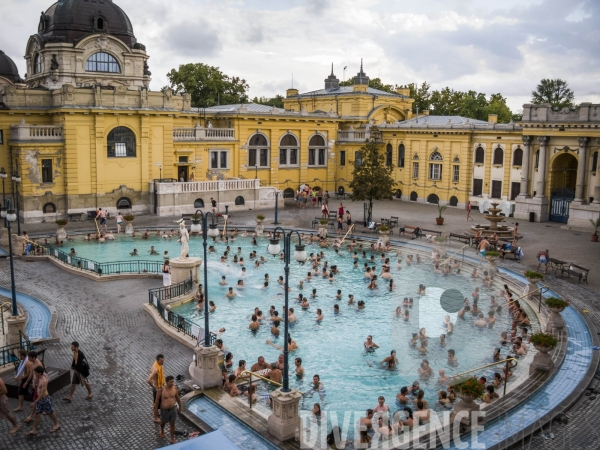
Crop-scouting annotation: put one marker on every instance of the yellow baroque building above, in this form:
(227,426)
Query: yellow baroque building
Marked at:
(83,130)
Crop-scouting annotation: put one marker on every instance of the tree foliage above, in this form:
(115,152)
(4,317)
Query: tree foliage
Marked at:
(371,178)
(421,95)
(207,85)
(556,92)
(374,83)
(276,101)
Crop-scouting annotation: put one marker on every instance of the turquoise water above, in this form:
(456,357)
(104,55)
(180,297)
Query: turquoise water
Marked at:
(333,348)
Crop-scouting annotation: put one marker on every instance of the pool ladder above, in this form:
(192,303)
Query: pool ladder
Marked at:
(507,361)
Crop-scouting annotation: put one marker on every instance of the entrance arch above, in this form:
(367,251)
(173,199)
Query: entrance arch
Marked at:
(563,178)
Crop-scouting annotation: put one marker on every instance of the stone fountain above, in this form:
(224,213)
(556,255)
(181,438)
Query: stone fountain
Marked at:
(494,219)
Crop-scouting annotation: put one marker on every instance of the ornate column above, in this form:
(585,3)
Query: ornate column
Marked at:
(597,187)
(541,184)
(581,165)
(525,167)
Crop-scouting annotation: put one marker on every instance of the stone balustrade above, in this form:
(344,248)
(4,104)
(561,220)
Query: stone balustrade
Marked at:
(199,133)
(41,133)
(352,135)
(207,186)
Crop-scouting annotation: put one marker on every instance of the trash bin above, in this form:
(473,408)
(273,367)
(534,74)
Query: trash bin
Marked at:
(531,216)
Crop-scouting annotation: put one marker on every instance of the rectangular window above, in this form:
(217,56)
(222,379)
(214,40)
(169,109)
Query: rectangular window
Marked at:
(283,157)
(357,159)
(120,149)
(183,159)
(456,173)
(252,158)
(264,157)
(321,156)
(46,171)
(218,159)
(1,137)
(496,189)
(477,186)
(311,156)
(415,170)
(342,158)
(515,189)
(293,157)
(435,171)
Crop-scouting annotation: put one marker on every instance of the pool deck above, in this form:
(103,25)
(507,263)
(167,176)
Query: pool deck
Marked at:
(121,340)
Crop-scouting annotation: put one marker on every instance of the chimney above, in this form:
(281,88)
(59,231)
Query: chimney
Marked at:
(492,118)
(425,112)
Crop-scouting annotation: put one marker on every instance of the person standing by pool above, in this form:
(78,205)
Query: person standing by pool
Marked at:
(4,411)
(341,211)
(468,208)
(166,271)
(156,380)
(81,372)
(42,403)
(102,216)
(543,257)
(166,399)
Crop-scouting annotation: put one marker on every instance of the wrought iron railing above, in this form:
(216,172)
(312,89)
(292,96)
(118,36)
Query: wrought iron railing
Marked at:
(177,321)
(105,268)
(8,353)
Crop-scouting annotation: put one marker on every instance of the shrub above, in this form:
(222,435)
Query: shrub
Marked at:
(492,253)
(323,221)
(543,339)
(260,217)
(128,217)
(470,386)
(61,222)
(534,275)
(554,302)
(196,217)
(384,228)
(441,239)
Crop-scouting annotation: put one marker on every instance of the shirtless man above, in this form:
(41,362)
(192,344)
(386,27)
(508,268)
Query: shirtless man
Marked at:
(367,421)
(443,379)
(299,368)
(21,377)
(401,397)
(482,247)
(4,411)
(275,374)
(43,404)
(102,216)
(261,364)
(255,324)
(33,363)
(166,398)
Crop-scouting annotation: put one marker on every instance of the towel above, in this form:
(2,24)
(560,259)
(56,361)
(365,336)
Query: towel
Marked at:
(160,375)
(21,368)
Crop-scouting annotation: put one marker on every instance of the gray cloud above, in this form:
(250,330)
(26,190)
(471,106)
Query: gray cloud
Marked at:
(196,39)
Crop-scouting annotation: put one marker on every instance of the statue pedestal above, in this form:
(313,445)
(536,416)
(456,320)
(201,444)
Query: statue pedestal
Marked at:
(283,422)
(205,370)
(4,237)
(180,269)
(14,325)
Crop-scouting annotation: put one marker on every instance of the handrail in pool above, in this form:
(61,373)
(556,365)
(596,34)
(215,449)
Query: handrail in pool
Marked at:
(507,360)
(262,378)
(450,257)
(540,290)
(349,230)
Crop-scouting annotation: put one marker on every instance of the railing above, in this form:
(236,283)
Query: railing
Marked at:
(454,378)
(26,132)
(8,353)
(203,134)
(187,327)
(207,186)
(105,268)
(254,374)
(353,136)
(539,290)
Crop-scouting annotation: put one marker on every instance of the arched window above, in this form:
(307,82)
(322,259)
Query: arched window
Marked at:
(258,151)
(537,158)
(121,143)
(498,156)
(413,196)
(479,155)
(316,151)
(518,157)
(289,193)
(239,200)
(388,155)
(456,159)
(453,201)
(435,170)
(198,203)
(37,64)
(341,190)
(595,162)
(102,62)
(398,193)
(288,150)
(49,208)
(100,23)
(432,198)
(436,156)
(401,153)
(123,203)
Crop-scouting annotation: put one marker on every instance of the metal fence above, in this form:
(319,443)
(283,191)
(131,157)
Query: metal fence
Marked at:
(105,268)
(8,353)
(187,327)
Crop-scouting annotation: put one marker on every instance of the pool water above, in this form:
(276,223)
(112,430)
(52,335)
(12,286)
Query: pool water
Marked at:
(333,348)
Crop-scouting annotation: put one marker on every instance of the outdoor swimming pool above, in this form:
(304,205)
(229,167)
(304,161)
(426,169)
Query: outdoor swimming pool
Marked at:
(333,348)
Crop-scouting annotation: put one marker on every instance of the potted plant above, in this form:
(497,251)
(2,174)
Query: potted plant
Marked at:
(440,220)
(196,223)
(544,344)
(467,390)
(323,227)
(260,218)
(384,229)
(491,255)
(60,232)
(129,226)
(533,276)
(596,225)
(556,306)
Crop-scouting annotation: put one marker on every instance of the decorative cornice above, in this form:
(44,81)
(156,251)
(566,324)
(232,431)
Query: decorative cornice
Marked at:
(543,140)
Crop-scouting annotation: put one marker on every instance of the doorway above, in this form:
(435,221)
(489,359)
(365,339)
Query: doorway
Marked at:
(563,180)
(182,170)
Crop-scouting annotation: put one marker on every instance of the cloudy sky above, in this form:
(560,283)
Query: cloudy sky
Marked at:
(490,47)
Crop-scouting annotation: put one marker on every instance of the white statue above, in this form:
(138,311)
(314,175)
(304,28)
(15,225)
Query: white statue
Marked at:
(185,237)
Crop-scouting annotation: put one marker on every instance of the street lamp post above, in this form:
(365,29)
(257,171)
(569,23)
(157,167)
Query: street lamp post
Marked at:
(276,207)
(10,216)
(3,175)
(17,179)
(300,256)
(206,233)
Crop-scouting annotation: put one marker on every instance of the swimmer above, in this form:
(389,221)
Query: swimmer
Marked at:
(134,252)
(369,344)
(425,369)
(350,299)
(152,251)
(223,281)
(443,378)
(299,369)
(230,293)
(392,285)
(406,316)
(304,304)
(452,357)
(361,304)
(423,347)
(212,305)
(442,340)
(319,315)
(338,296)
(255,324)
(275,328)
(291,316)
(423,334)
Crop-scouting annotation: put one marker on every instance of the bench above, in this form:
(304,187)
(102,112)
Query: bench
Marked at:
(75,217)
(577,271)
(57,380)
(461,237)
(186,216)
(432,232)
(409,227)
(513,253)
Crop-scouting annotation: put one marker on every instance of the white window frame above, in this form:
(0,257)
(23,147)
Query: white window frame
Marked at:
(315,153)
(415,171)
(219,153)
(288,153)
(456,173)
(435,171)
(258,151)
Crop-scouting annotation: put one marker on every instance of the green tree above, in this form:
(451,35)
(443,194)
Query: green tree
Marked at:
(497,105)
(556,92)
(276,101)
(371,178)
(207,85)
(446,102)
(472,104)
(421,95)
(374,83)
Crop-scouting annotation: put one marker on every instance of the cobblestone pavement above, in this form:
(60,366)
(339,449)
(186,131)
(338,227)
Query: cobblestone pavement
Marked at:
(120,341)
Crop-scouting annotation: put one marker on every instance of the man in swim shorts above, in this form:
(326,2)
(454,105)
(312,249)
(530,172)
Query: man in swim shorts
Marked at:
(543,257)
